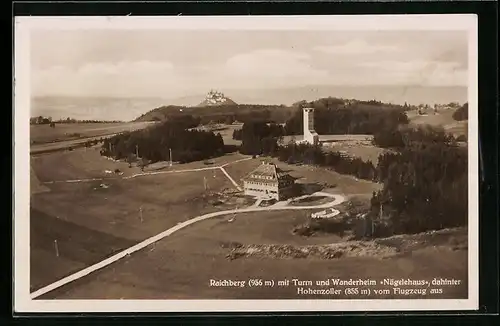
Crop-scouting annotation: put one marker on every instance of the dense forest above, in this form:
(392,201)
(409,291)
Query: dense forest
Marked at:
(333,117)
(255,135)
(155,143)
(462,113)
(355,113)
(425,188)
(400,137)
(222,113)
(352,120)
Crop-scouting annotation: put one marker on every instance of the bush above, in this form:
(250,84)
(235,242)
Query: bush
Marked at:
(462,113)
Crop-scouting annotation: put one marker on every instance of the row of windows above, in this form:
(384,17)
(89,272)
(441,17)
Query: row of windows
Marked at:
(261,183)
(258,176)
(262,190)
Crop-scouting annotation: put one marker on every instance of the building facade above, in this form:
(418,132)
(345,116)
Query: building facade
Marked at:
(268,181)
(310,135)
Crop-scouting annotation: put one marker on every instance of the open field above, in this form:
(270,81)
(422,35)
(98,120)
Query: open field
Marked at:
(86,163)
(77,247)
(81,163)
(365,151)
(227,134)
(76,210)
(354,145)
(59,146)
(171,269)
(344,184)
(91,223)
(444,118)
(40,134)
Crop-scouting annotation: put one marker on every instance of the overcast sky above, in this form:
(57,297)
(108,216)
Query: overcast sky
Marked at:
(173,63)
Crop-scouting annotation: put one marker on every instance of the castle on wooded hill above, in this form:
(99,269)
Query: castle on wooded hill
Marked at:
(214,98)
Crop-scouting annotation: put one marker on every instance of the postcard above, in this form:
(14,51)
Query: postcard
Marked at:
(246,164)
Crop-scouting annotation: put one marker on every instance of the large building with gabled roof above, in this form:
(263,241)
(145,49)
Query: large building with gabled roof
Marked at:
(269,181)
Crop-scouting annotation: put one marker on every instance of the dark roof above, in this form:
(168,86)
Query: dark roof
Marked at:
(267,172)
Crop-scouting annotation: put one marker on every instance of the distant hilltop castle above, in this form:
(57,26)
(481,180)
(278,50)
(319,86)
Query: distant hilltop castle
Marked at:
(214,98)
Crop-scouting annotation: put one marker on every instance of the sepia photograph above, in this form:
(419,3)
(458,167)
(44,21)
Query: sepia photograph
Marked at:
(246,163)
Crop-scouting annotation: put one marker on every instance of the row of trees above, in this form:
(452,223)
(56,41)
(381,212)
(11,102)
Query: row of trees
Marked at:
(41,120)
(72,120)
(157,142)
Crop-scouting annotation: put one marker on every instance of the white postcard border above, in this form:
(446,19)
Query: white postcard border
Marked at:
(23,25)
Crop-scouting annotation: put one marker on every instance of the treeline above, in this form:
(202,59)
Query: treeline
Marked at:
(72,120)
(293,153)
(41,120)
(157,142)
(362,111)
(254,131)
(462,113)
(338,103)
(353,120)
(90,143)
(334,121)
(425,181)
(260,138)
(407,136)
(228,113)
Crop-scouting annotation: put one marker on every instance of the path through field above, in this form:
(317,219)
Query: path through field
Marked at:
(337,199)
(221,167)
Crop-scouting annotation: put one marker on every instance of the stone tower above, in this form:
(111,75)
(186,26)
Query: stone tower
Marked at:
(310,135)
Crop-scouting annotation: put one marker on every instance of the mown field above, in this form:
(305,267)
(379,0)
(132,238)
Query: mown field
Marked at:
(40,134)
(171,268)
(90,223)
(443,118)
(340,183)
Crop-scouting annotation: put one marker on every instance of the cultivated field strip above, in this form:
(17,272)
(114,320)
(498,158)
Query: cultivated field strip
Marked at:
(337,199)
